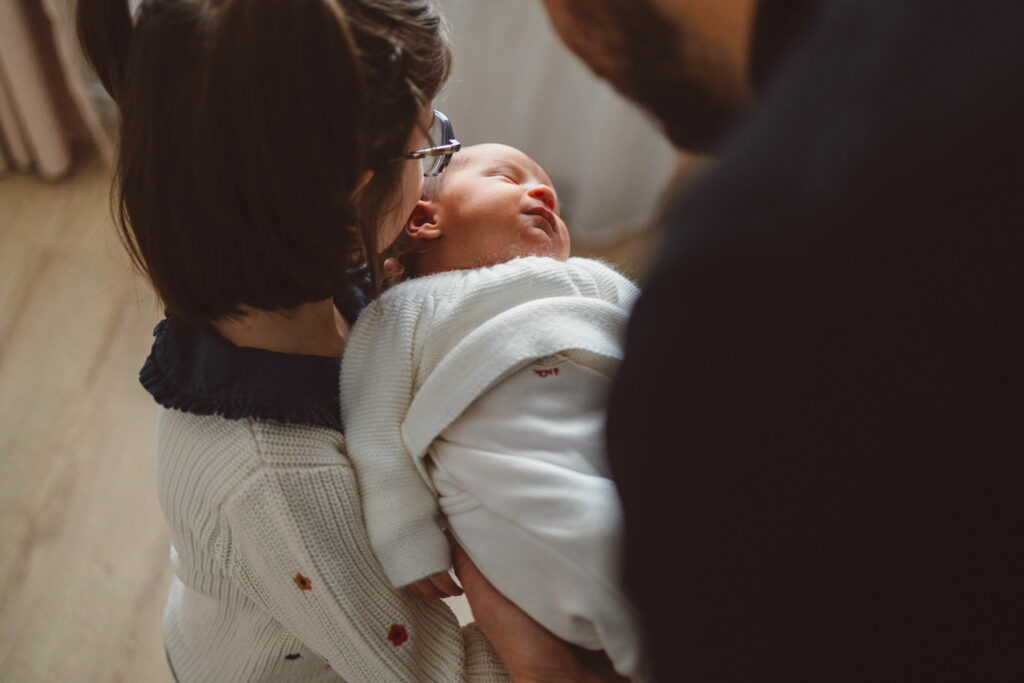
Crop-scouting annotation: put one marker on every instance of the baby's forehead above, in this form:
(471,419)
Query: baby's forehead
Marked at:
(480,157)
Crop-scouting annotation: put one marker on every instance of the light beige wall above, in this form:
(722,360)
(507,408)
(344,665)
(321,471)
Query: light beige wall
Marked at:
(515,83)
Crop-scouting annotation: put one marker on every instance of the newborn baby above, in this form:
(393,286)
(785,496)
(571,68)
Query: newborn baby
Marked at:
(492,204)
(477,388)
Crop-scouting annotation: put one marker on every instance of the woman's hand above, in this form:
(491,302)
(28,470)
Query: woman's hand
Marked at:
(393,271)
(439,585)
(530,651)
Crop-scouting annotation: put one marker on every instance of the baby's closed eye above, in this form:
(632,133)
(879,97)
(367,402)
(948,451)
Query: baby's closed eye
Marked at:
(504,173)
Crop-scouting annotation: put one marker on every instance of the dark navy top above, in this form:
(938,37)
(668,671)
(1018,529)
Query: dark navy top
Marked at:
(200,372)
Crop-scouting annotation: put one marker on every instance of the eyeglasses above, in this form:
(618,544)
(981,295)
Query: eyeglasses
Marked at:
(442,145)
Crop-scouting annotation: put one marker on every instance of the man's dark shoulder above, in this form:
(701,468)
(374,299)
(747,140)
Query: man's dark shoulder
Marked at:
(885,161)
(883,107)
(822,400)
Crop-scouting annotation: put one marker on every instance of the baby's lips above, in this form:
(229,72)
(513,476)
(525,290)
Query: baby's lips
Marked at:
(544,213)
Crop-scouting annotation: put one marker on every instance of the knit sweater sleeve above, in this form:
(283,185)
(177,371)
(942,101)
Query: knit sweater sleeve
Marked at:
(376,390)
(300,552)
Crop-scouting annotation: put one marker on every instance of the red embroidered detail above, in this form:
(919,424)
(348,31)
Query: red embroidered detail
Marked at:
(302,582)
(546,373)
(397,635)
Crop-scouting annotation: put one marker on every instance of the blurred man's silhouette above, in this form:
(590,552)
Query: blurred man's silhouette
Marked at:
(819,428)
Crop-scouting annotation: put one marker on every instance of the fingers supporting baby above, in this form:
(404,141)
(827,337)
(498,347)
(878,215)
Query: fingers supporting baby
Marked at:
(393,270)
(440,585)
(530,651)
(525,646)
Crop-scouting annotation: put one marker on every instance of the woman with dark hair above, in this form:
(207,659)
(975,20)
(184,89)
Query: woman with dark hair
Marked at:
(269,150)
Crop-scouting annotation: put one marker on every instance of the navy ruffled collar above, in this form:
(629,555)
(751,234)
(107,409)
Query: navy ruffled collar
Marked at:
(200,372)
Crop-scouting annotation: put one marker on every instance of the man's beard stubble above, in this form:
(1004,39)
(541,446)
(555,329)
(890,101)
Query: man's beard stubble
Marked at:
(665,70)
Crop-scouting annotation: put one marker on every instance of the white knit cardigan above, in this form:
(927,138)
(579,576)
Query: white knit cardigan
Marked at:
(274,576)
(424,351)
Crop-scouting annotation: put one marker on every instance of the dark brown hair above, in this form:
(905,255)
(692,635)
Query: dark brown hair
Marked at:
(245,128)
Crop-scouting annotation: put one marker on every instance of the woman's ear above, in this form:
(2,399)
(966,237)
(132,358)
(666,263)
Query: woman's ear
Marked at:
(424,223)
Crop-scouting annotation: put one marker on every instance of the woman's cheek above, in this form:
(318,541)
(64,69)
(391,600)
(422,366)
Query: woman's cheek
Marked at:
(412,191)
(417,182)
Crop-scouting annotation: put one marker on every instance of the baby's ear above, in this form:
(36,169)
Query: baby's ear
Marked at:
(424,223)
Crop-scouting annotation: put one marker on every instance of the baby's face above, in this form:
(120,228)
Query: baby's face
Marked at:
(496,204)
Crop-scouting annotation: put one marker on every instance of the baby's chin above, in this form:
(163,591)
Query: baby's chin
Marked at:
(552,247)
(548,250)
(469,262)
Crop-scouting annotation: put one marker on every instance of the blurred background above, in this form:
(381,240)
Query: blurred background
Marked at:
(515,83)
(84,561)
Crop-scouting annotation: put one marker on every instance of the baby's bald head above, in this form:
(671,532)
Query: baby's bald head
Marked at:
(492,204)
(433,186)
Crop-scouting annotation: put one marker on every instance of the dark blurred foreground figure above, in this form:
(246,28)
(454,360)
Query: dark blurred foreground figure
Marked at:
(819,427)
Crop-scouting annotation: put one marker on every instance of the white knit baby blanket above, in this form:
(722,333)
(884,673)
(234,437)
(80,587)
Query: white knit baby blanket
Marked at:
(423,352)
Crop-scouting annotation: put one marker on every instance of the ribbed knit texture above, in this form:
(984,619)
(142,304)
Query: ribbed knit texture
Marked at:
(423,352)
(255,508)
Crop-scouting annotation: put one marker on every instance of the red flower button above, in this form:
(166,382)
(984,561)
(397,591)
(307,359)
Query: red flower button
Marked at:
(397,635)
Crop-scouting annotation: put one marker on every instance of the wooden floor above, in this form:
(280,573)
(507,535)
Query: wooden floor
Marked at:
(84,557)
(84,561)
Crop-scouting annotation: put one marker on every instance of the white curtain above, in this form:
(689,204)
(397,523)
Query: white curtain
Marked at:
(44,100)
(515,83)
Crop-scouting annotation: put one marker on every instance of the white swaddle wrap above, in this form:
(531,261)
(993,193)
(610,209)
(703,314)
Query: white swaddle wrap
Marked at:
(438,401)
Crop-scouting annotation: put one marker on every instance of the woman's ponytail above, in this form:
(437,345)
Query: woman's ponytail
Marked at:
(105,31)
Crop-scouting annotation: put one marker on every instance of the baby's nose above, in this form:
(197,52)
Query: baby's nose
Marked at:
(545,194)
